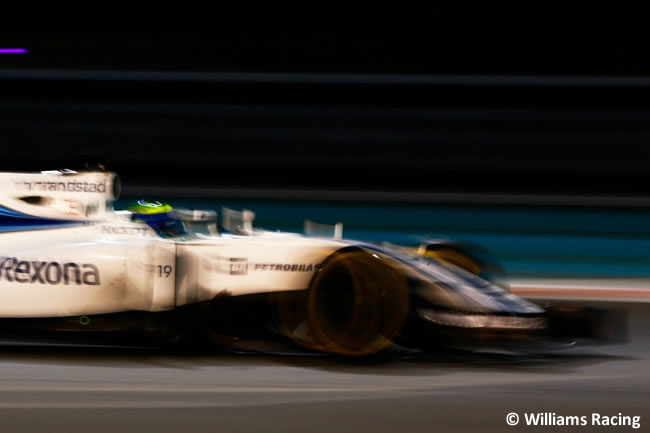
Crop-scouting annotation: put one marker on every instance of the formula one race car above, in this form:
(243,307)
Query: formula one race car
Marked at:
(72,263)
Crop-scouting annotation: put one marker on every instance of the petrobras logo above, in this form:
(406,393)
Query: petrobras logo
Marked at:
(16,270)
(287,267)
(61,186)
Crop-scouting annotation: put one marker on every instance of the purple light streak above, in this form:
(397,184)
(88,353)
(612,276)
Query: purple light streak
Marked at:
(13,51)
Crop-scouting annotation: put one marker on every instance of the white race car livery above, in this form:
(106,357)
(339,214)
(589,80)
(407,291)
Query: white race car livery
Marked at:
(66,253)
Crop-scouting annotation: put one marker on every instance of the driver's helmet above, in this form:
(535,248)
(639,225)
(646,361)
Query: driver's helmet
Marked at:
(158,215)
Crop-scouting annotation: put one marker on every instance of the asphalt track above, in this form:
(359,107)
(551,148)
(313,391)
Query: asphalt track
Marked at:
(117,390)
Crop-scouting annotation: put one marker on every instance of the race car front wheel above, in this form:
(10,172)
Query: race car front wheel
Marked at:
(456,258)
(356,304)
(472,259)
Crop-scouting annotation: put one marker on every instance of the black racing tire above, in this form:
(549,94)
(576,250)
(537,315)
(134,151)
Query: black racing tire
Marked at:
(472,259)
(356,304)
(455,257)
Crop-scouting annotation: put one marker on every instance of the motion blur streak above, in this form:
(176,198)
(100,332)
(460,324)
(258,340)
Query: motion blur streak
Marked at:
(622,290)
(331,78)
(13,51)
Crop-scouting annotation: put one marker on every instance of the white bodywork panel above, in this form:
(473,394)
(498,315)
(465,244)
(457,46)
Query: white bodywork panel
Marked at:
(59,194)
(80,270)
(113,266)
(100,261)
(246,265)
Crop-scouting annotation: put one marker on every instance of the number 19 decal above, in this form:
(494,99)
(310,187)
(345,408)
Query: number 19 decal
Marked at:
(164,271)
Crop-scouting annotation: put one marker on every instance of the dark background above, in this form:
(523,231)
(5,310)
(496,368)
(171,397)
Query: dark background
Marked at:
(524,103)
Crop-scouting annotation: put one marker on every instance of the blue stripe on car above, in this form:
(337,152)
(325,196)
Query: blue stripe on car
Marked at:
(11,220)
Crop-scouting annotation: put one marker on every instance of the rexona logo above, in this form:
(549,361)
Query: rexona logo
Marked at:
(36,272)
(70,186)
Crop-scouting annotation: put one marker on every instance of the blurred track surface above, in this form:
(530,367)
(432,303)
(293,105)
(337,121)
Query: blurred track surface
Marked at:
(79,390)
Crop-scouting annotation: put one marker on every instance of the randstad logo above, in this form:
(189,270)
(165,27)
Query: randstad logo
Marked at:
(37,272)
(69,186)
